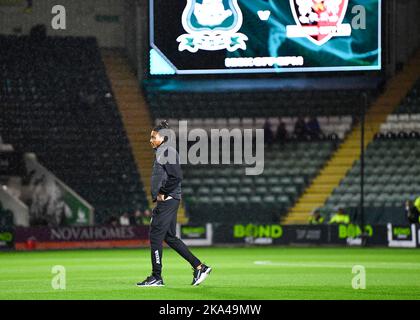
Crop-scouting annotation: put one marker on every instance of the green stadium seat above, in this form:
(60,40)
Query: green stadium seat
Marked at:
(223,182)
(270,199)
(204,191)
(262,190)
(217,191)
(277,190)
(243,200)
(284,201)
(255,199)
(229,200)
(232,190)
(246,191)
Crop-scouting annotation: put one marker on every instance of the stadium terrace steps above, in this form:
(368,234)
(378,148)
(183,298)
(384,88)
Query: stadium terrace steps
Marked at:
(133,110)
(349,152)
(135,115)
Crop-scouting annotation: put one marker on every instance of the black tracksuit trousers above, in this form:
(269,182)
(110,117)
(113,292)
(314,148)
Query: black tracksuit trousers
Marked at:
(163,228)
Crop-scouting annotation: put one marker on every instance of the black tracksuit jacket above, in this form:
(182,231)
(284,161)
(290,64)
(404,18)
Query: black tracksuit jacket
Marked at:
(166,177)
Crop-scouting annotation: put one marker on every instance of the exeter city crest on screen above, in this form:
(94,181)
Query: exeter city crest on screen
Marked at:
(318,20)
(212,25)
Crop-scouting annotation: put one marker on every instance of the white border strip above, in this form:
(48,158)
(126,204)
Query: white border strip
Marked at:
(402,243)
(267,70)
(198,242)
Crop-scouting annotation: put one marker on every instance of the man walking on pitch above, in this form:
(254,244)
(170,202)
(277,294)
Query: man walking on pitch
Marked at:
(166,192)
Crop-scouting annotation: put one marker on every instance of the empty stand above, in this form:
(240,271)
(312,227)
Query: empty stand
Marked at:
(392,167)
(222,193)
(56,101)
(290,167)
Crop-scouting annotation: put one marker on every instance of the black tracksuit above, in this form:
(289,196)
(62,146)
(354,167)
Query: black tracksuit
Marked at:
(166,180)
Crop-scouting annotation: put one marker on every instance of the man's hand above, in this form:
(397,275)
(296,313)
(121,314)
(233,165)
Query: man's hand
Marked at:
(160,197)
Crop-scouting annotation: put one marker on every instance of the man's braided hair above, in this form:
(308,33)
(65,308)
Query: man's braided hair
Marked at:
(162,125)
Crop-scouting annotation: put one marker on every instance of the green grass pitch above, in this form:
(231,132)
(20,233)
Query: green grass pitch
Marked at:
(238,273)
